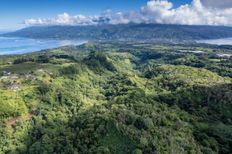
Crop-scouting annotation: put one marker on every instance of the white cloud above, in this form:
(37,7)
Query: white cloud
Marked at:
(65,19)
(162,11)
(122,17)
(155,11)
(217,3)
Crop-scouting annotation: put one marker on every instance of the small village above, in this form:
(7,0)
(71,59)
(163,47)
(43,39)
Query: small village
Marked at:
(12,81)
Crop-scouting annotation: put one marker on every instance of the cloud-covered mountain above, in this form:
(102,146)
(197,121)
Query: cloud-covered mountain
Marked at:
(199,12)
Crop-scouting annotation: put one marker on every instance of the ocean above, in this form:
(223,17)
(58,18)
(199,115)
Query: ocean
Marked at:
(223,41)
(10,45)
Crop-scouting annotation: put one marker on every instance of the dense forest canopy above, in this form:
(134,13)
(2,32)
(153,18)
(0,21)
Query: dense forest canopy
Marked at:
(117,98)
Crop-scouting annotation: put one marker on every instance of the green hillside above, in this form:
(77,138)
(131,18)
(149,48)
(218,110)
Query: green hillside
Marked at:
(117,98)
(123,32)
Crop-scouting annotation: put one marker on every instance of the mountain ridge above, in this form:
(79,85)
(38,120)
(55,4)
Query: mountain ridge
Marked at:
(125,32)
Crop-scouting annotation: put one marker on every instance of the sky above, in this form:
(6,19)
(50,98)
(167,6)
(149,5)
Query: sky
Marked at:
(15,14)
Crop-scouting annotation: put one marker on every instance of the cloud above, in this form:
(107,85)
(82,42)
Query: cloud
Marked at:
(199,12)
(218,3)
(65,19)
(162,11)
(123,17)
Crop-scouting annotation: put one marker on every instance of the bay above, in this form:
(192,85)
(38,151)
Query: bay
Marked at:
(9,45)
(223,41)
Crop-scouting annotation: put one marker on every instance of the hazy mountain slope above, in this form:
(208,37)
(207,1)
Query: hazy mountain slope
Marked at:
(126,32)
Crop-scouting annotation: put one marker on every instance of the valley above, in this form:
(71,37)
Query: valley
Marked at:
(117,97)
